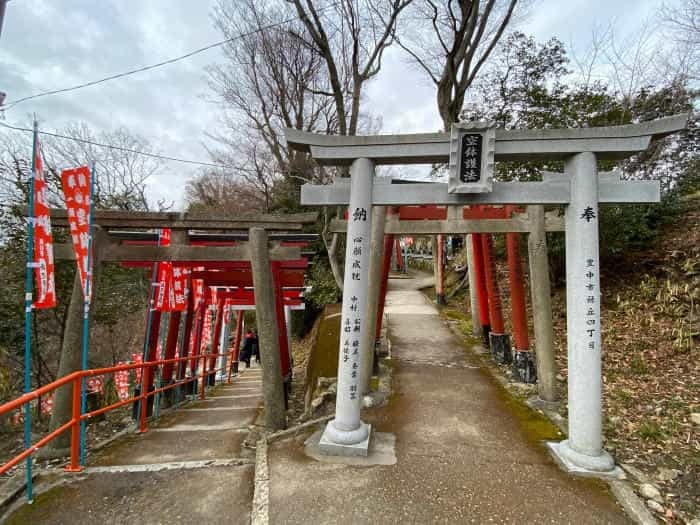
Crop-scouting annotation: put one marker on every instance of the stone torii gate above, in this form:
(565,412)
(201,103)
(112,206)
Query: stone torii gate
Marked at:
(186,248)
(472,150)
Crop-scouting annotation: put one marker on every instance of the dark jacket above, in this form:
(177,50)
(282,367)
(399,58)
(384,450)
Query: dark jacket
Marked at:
(248,347)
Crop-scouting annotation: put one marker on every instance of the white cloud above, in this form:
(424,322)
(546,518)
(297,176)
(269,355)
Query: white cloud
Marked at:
(47,45)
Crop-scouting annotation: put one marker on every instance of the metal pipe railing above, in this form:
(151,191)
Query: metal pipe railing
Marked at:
(77,413)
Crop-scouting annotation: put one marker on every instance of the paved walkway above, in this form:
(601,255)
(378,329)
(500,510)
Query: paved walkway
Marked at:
(189,468)
(462,454)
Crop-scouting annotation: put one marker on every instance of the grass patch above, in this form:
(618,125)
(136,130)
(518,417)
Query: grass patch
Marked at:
(651,431)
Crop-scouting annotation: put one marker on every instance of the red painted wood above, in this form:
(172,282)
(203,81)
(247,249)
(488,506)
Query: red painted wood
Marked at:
(171,344)
(416,213)
(386,267)
(517,292)
(481,293)
(495,310)
(285,357)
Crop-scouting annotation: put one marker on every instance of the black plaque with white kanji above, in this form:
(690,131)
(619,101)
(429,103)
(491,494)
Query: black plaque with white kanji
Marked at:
(470,163)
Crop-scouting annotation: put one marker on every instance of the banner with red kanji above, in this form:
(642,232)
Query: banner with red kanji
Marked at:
(76,189)
(164,297)
(137,359)
(198,287)
(206,332)
(43,240)
(180,277)
(172,288)
(164,237)
(121,381)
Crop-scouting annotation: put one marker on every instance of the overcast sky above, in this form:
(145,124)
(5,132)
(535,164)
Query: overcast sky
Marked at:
(50,44)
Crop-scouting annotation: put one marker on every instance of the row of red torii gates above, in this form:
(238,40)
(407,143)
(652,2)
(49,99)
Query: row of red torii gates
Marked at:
(580,190)
(479,223)
(228,269)
(223,263)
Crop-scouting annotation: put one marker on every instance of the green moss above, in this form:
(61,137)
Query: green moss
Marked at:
(40,510)
(323,361)
(651,431)
(535,426)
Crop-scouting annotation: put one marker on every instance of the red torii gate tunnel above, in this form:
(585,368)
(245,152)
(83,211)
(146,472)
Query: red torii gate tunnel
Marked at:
(489,314)
(232,282)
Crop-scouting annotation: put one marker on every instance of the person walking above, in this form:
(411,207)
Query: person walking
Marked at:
(248,347)
(256,347)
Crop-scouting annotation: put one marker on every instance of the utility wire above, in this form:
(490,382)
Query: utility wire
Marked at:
(118,148)
(158,64)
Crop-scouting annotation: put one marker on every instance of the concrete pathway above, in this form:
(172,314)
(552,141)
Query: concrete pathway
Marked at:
(189,468)
(463,454)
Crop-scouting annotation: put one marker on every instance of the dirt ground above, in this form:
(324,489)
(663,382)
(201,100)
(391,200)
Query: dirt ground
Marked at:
(651,366)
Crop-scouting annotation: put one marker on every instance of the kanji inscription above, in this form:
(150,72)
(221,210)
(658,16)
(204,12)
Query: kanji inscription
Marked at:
(470,163)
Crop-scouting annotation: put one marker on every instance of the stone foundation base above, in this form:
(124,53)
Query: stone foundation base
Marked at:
(500,347)
(573,462)
(524,369)
(331,448)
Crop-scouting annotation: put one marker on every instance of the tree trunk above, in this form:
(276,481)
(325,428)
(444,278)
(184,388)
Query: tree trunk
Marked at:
(71,355)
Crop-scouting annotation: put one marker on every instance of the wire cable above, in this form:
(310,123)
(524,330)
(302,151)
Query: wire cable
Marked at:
(119,148)
(13,103)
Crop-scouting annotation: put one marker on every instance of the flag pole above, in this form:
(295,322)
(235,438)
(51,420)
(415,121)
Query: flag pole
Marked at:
(28,314)
(86,315)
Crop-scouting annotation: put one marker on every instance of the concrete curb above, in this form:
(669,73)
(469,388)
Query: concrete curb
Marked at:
(260,513)
(632,504)
(261,492)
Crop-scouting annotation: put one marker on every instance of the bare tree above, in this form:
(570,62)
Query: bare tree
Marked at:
(219,193)
(588,60)
(351,36)
(306,73)
(122,171)
(685,18)
(266,85)
(632,59)
(451,43)
(682,28)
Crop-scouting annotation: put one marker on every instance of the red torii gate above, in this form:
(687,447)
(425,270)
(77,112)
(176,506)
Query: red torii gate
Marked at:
(236,281)
(288,281)
(235,278)
(490,313)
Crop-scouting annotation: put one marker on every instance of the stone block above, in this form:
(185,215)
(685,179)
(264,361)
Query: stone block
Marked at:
(328,447)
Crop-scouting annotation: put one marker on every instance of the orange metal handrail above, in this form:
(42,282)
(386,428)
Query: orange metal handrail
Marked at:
(77,416)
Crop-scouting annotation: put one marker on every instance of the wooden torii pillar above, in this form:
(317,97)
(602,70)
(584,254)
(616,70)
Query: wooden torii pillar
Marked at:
(578,189)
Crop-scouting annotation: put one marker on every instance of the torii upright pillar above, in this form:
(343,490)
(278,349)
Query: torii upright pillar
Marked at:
(374,289)
(346,434)
(584,448)
(266,319)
